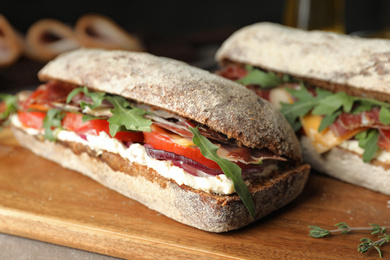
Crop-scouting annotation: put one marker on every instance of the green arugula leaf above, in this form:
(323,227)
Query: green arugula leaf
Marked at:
(362,106)
(52,119)
(330,104)
(259,77)
(10,102)
(384,115)
(86,118)
(305,103)
(322,93)
(368,140)
(327,121)
(124,115)
(230,169)
(97,97)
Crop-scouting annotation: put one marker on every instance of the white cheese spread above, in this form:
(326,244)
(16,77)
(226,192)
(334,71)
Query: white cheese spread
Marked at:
(353,146)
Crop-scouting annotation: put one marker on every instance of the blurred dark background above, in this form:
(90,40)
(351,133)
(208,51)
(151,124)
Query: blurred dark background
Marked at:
(176,18)
(186,30)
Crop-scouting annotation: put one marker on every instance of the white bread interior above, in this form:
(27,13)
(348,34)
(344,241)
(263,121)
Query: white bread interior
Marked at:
(347,166)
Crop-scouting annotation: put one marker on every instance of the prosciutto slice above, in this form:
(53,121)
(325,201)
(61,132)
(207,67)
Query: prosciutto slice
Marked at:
(346,122)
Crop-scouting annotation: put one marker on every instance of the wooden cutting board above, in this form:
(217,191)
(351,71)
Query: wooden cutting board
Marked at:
(42,201)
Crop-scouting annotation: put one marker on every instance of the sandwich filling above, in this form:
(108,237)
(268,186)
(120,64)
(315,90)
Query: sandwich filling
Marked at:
(177,148)
(357,124)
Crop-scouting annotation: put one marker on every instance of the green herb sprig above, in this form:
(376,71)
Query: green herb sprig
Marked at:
(230,169)
(366,244)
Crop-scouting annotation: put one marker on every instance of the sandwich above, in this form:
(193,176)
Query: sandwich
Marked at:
(333,89)
(184,142)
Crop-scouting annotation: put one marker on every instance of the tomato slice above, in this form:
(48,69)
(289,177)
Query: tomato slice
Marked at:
(160,139)
(74,122)
(31,119)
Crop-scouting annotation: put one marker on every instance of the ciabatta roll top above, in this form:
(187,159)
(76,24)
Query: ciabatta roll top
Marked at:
(357,66)
(222,105)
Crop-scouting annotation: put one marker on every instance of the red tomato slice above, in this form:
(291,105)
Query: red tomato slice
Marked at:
(73,122)
(32,119)
(159,141)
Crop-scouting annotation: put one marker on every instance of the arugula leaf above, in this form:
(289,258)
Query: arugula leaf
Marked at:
(362,106)
(97,97)
(384,115)
(10,102)
(52,119)
(368,140)
(259,77)
(330,104)
(124,115)
(230,169)
(305,103)
(327,121)
(86,118)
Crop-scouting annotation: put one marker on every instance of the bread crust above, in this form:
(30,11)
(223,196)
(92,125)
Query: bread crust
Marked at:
(224,106)
(347,166)
(209,212)
(337,62)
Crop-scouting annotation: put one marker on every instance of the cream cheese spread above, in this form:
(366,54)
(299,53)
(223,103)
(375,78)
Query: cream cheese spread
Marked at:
(353,146)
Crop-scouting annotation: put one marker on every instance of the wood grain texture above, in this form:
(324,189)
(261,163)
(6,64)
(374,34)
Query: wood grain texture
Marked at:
(43,201)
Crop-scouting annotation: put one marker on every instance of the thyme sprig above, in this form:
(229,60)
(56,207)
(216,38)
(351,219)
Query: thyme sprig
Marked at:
(366,244)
